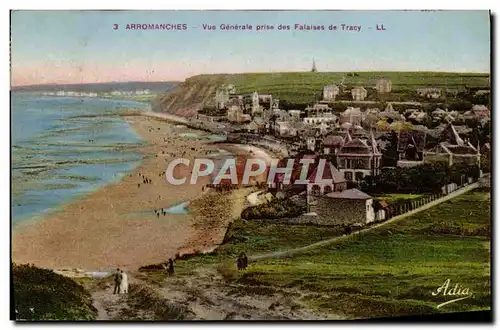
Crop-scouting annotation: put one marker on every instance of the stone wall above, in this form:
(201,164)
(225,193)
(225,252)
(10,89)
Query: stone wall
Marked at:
(331,212)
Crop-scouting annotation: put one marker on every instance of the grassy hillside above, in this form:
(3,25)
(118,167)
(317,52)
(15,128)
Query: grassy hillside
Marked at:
(301,87)
(41,294)
(390,271)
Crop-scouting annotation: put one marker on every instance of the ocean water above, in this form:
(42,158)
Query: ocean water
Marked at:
(57,155)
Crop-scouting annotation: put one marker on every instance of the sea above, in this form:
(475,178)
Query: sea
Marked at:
(60,150)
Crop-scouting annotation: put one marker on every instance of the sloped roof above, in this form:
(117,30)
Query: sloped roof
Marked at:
(346,125)
(349,194)
(333,140)
(461,150)
(330,172)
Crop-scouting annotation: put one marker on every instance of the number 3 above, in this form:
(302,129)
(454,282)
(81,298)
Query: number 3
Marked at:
(115,26)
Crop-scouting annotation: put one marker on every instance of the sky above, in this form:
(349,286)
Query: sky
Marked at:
(60,47)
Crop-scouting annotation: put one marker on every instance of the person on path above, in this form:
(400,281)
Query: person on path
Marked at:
(170,268)
(118,281)
(124,283)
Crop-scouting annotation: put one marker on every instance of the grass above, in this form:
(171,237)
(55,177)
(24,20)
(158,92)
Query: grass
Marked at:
(393,197)
(302,86)
(142,297)
(255,237)
(393,270)
(41,294)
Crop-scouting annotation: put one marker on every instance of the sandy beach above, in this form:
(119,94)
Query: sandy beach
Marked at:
(116,226)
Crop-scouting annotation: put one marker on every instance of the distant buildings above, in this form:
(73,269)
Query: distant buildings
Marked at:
(430,92)
(359,93)
(221,98)
(324,118)
(351,115)
(330,92)
(383,86)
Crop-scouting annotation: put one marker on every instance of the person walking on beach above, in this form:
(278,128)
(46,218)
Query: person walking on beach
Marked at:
(118,281)
(124,282)
(170,268)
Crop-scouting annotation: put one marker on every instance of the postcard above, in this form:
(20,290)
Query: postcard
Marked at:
(250,165)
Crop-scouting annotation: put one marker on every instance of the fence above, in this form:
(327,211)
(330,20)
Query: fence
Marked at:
(394,210)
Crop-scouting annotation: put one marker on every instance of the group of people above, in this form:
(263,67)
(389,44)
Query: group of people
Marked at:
(145,180)
(160,212)
(121,282)
(347,229)
(242,261)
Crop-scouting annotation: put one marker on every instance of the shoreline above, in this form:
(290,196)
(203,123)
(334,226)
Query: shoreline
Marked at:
(115,226)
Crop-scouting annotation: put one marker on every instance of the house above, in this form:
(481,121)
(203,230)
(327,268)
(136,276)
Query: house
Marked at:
(256,108)
(352,115)
(439,113)
(329,180)
(318,109)
(285,128)
(430,92)
(295,114)
(346,207)
(311,143)
(383,86)
(252,127)
(454,91)
(324,118)
(482,92)
(332,144)
(235,114)
(480,111)
(417,115)
(221,97)
(411,144)
(321,175)
(330,92)
(453,149)
(359,158)
(390,113)
(359,93)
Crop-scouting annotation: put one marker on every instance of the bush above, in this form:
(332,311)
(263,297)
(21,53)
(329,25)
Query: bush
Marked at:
(275,209)
(41,294)
(228,271)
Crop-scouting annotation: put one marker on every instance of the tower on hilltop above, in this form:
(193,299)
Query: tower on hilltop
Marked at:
(314,66)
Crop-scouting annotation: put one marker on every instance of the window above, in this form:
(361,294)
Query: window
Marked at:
(348,176)
(316,190)
(359,176)
(328,189)
(359,163)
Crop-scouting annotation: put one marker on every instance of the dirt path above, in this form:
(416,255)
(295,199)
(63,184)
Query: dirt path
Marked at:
(202,295)
(205,295)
